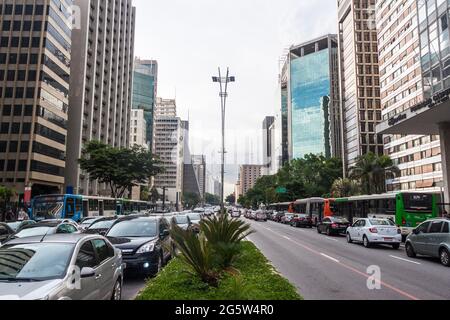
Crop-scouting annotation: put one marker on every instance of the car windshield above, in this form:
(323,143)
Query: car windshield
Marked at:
(381,222)
(34,262)
(339,220)
(86,224)
(33,232)
(194,217)
(182,220)
(106,224)
(133,229)
(14,225)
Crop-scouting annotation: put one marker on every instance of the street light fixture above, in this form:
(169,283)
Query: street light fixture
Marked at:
(223,81)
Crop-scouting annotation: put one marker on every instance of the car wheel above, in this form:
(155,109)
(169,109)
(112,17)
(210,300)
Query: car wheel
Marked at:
(445,257)
(366,242)
(318,230)
(117,291)
(328,232)
(349,238)
(396,246)
(410,251)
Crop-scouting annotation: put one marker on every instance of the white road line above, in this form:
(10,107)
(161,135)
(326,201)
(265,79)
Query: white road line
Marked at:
(331,258)
(406,260)
(287,238)
(331,239)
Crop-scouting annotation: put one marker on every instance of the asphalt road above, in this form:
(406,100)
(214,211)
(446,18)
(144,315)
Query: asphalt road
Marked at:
(131,287)
(329,268)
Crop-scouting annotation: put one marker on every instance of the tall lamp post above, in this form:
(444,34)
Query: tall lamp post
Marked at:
(223,82)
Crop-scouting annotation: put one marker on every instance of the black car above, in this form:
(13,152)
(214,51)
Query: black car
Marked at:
(45,228)
(333,225)
(302,220)
(277,217)
(182,220)
(101,226)
(145,243)
(5,232)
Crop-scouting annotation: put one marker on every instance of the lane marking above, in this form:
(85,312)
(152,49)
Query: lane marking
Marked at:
(406,260)
(365,275)
(330,258)
(331,239)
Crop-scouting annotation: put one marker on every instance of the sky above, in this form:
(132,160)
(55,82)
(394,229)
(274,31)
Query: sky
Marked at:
(191,39)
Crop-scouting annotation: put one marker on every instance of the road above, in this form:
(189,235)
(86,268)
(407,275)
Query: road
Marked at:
(131,287)
(329,268)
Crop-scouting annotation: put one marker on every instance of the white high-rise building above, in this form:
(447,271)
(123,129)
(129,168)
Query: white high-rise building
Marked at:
(101,84)
(138,129)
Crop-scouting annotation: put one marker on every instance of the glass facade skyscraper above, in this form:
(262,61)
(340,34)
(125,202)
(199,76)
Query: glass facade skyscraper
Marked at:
(314,99)
(144,92)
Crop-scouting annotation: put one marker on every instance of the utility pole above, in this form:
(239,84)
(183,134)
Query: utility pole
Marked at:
(164,199)
(223,82)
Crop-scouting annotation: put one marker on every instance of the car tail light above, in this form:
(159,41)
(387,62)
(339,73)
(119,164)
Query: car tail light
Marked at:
(334,225)
(373,230)
(403,221)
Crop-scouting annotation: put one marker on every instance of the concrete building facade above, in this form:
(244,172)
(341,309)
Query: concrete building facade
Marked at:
(138,129)
(101,84)
(268,147)
(248,175)
(359,80)
(35,58)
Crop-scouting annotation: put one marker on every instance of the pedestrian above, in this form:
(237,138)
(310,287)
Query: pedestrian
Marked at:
(10,217)
(23,215)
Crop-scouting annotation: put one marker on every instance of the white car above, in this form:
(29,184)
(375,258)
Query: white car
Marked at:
(375,231)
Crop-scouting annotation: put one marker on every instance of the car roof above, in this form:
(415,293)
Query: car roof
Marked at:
(70,238)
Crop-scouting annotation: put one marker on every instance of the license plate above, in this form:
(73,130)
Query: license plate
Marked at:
(388,239)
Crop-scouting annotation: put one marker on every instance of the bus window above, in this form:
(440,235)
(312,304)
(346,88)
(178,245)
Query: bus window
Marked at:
(70,207)
(418,202)
(85,209)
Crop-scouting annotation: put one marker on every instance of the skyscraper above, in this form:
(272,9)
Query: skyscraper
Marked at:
(101,84)
(359,79)
(145,81)
(35,57)
(313,98)
(267,146)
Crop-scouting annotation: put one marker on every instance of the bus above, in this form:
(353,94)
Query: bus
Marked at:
(280,207)
(316,208)
(77,207)
(406,209)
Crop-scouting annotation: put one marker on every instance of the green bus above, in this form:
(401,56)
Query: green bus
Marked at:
(406,209)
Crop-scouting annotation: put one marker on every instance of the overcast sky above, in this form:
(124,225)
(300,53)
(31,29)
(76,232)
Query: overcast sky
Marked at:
(191,39)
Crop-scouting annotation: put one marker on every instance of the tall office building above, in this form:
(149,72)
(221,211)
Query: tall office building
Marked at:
(35,55)
(165,107)
(284,114)
(145,81)
(359,79)
(267,140)
(138,129)
(410,71)
(199,165)
(313,98)
(101,84)
(248,175)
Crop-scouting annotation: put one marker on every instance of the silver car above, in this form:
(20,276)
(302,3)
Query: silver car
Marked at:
(432,239)
(60,267)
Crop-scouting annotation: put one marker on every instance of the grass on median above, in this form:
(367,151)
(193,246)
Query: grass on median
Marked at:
(257,280)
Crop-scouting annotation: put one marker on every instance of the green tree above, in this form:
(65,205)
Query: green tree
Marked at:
(212,199)
(145,193)
(191,200)
(342,188)
(119,168)
(5,195)
(154,195)
(231,199)
(372,171)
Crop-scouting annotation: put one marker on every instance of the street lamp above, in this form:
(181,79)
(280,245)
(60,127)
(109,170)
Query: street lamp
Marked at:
(223,81)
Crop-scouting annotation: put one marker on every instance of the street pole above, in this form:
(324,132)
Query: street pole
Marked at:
(164,199)
(223,100)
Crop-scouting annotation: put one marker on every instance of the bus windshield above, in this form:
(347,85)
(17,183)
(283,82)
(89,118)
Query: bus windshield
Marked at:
(418,202)
(48,208)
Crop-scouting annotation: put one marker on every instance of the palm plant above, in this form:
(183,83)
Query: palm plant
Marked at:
(196,253)
(225,235)
(345,188)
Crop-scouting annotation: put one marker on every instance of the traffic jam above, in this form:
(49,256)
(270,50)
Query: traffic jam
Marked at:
(85,248)
(413,221)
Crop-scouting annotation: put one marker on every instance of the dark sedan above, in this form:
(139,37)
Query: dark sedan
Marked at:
(144,241)
(302,220)
(333,226)
(101,226)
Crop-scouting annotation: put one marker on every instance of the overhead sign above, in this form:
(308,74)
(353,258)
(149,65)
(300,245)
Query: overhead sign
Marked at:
(281,190)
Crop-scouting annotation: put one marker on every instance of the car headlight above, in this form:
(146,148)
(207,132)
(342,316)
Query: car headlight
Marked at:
(149,247)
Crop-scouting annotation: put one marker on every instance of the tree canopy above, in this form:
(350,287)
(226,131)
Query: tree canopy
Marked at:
(231,199)
(212,199)
(119,168)
(191,200)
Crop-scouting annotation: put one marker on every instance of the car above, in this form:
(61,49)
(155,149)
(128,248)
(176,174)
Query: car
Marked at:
(209,212)
(182,221)
(46,227)
(87,222)
(145,243)
(432,239)
(278,216)
(19,224)
(333,225)
(5,232)
(195,219)
(236,214)
(101,226)
(287,218)
(61,267)
(261,216)
(375,231)
(301,220)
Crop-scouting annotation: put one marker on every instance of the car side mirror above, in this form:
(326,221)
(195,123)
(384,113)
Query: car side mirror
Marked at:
(87,273)
(165,233)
